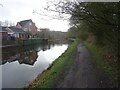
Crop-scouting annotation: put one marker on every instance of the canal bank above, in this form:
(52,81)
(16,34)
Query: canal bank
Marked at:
(55,73)
(32,41)
(23,42)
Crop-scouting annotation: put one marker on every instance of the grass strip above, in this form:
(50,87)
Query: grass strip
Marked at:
(56,71)
(110,69)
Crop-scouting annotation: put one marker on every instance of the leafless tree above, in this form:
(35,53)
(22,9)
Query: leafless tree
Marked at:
(1,4)
(60,9)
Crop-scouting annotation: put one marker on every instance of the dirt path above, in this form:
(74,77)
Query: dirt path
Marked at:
(84,74)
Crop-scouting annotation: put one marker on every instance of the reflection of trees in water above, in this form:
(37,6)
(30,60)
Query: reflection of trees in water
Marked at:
(9,54)
(45,47)
(28,57)
(26,54)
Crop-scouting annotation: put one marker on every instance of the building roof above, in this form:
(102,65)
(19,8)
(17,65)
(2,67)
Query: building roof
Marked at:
(14,29)
(23,23)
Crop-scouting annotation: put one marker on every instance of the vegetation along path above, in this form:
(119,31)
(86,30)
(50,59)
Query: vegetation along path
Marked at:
(84,73)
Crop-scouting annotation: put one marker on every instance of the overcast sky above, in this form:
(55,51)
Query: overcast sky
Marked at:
(17,10)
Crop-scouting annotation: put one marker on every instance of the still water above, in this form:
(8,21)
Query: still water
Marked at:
(21,65)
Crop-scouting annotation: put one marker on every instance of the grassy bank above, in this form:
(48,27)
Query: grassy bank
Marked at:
(57,70)
(106,64)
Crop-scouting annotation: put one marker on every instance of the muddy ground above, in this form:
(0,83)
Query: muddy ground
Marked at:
(84,73)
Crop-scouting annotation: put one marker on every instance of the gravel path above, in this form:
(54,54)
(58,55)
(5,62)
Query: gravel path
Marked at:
(84,74)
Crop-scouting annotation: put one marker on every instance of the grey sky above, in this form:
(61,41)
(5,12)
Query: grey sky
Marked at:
(17,10)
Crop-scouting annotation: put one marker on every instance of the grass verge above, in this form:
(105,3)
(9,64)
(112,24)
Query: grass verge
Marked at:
(111,69)
(57,70)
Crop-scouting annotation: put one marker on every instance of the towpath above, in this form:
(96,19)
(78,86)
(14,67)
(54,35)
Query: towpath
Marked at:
(84,73)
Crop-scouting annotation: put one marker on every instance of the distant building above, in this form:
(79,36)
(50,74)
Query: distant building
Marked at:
(16,32)
(29,27)
(3,33)
(23,30)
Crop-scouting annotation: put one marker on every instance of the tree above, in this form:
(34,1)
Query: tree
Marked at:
(101,19)
(0,23)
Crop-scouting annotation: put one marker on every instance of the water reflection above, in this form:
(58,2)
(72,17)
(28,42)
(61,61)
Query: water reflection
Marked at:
(21,65)
(24,55)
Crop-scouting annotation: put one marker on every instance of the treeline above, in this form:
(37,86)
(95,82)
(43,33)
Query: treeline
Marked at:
(7,23)
(53,36)
(97,23)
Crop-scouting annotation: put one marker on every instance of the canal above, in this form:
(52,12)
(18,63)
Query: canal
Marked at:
(21,65)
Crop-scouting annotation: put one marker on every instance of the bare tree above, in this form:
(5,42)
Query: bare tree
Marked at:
(76,11)
(60,9)
(1,4)
(11,23)
(6,23)
(0,23)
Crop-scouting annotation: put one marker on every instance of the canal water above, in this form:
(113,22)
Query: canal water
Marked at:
(21,65)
